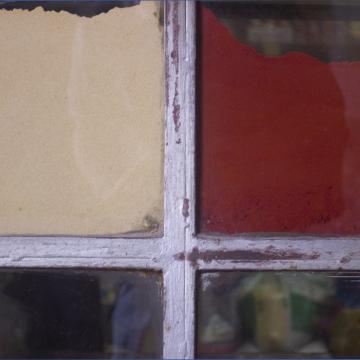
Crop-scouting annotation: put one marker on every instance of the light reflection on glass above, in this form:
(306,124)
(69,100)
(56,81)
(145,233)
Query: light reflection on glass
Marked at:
(327,30)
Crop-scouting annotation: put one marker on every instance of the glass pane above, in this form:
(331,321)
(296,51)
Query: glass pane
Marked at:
(279,116)
(80,314)
(278,314)
(81,114)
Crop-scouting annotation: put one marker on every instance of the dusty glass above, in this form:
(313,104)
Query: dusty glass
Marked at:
(80,314)
(279,116)
(81,114)
(278,314)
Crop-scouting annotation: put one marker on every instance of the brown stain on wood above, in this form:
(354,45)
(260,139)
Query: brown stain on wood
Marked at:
(172,17)
(269,254)
(346,259)
(185,209)
(175,61)
(179,256)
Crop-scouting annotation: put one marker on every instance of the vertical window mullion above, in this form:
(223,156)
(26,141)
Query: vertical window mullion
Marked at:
(176,203)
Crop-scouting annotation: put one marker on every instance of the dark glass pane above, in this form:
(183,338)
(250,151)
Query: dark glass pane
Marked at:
(278,314)
(80,314)
(279,116)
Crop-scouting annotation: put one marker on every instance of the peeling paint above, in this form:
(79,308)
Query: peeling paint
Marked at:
(180,256)
(167,65)
(175,52)
(174,55)
(247,255)
(346,259)
(176,115)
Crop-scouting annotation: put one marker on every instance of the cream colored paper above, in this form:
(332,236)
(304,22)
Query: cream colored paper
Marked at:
(81,118)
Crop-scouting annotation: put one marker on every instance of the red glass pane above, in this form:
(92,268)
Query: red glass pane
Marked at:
(279,135)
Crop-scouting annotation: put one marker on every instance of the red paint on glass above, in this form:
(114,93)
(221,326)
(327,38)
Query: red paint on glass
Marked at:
(279,138)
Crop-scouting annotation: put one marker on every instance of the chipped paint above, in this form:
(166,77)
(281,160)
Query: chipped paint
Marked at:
(179,256)
(345,259)
(185,209)
(176,115)
(176,29)
(269,254)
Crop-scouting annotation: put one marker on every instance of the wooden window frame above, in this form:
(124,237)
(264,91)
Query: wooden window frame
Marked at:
(180,253)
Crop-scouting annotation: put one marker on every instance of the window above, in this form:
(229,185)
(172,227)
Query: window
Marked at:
(181,261)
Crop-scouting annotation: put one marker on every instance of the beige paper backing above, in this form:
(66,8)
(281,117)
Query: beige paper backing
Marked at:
(81,116)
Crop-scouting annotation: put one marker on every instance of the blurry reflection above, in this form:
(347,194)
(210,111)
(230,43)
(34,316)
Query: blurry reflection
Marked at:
(279,314)
(329,31)
(94,314)
(131,316)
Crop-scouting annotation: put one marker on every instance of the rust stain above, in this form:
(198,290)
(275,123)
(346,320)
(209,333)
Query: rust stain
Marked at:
(185,209)
(234,256)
